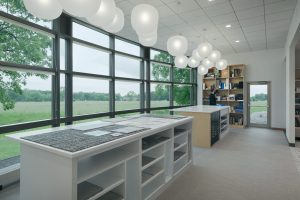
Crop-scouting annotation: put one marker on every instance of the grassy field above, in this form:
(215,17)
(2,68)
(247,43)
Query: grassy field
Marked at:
(258,109)
(31,111)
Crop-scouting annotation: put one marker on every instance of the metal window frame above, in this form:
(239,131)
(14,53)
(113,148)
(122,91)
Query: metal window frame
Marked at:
(62,29)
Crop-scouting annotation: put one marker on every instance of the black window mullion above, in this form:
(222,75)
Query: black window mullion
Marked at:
(112,82)
(142,77)
(148,77)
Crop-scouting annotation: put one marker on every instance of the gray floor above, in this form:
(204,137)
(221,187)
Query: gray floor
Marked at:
(250,164)
(247,164)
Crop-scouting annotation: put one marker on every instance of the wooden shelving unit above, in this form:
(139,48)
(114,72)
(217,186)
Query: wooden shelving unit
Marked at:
(228,83)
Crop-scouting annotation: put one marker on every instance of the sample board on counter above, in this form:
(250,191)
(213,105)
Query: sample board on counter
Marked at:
(231,91)
(137,165)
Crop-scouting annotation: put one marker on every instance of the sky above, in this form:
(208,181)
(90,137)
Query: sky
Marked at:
(258,89)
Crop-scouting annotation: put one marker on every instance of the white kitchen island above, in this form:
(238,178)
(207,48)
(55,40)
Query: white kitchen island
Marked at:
(210,123)
(130,158)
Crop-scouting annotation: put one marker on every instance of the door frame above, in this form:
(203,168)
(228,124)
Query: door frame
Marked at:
(268,83)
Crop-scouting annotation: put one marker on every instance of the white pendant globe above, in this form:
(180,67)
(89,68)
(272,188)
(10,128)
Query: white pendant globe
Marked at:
(177,45)
(215,55)
(207,63)
(117,24)
(196,55)
(202,70)
(148,41)
(81,8)
(181,61)
(204,49)
(221,64)
(104,15)
(144,19)
(193,62)
(44,9)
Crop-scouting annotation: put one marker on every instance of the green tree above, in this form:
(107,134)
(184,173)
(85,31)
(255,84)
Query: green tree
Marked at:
(162,73)
(21,46)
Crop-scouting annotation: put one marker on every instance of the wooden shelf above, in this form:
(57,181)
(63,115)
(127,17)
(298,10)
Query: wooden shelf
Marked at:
(227,80)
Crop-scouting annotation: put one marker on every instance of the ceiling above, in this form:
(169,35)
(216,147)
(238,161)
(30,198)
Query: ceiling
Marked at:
(257,24)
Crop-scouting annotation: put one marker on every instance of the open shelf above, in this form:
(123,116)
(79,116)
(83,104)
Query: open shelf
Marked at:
(115,194)
(91,166)
(150,161)
(153,141)
(148,177)
(152,186)
(180,163)
(179,132)
(178,155)
(99,185)
(180,146)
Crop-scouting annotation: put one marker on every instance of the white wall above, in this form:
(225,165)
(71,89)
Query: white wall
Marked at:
(266,66)
(292,38)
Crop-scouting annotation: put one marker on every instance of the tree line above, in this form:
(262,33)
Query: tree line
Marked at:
(43,96)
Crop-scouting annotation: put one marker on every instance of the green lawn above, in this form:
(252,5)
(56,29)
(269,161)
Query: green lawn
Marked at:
(258,109)
(31,111)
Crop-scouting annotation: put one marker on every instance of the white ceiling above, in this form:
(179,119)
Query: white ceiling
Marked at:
(257,24)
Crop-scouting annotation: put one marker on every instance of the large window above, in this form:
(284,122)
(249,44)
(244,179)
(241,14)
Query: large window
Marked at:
(48,85)
(127,67)
(22,46)
(127,95)
(27,97)
(90,60)
(90,96)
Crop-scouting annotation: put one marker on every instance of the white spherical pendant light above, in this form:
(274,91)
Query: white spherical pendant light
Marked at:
(215,55)
(177,45)
(181,61)
(118,22)
(207,63)
(104,15)
(193,62)
(202,70)
(196,55)
(148,41)
(221,64)
(81,8)
(44,9)
(204,49)
(144,19)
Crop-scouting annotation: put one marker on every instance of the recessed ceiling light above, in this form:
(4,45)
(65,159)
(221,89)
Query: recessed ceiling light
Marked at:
(237,41)
(228,26)
(211,0)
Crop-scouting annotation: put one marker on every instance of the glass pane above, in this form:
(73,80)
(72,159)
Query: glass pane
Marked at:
(90,96)
(258,104)
(89,60)
(90,35)
(160,56)
(27,97)
(159,72)
(161,112)
(127,95)
(182,95)
(8,149)
(182,75)
(62,95)
(258,95)
(18,9)
(127,67)
(23,46)
(62,55)
(258,115)
(160,95)
(127,47)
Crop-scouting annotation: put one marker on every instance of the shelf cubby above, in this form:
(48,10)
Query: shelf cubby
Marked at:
(149,173)
(149,189)
(180,163)
(94,165)
(153,141)
(115,194)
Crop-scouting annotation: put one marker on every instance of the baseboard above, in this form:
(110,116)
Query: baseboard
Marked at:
(290,144)
(278,129)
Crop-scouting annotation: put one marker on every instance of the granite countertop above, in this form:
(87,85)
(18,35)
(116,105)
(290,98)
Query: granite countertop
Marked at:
(75,139)
(201,109)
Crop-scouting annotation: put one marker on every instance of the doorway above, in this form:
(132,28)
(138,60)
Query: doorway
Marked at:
(259,104)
